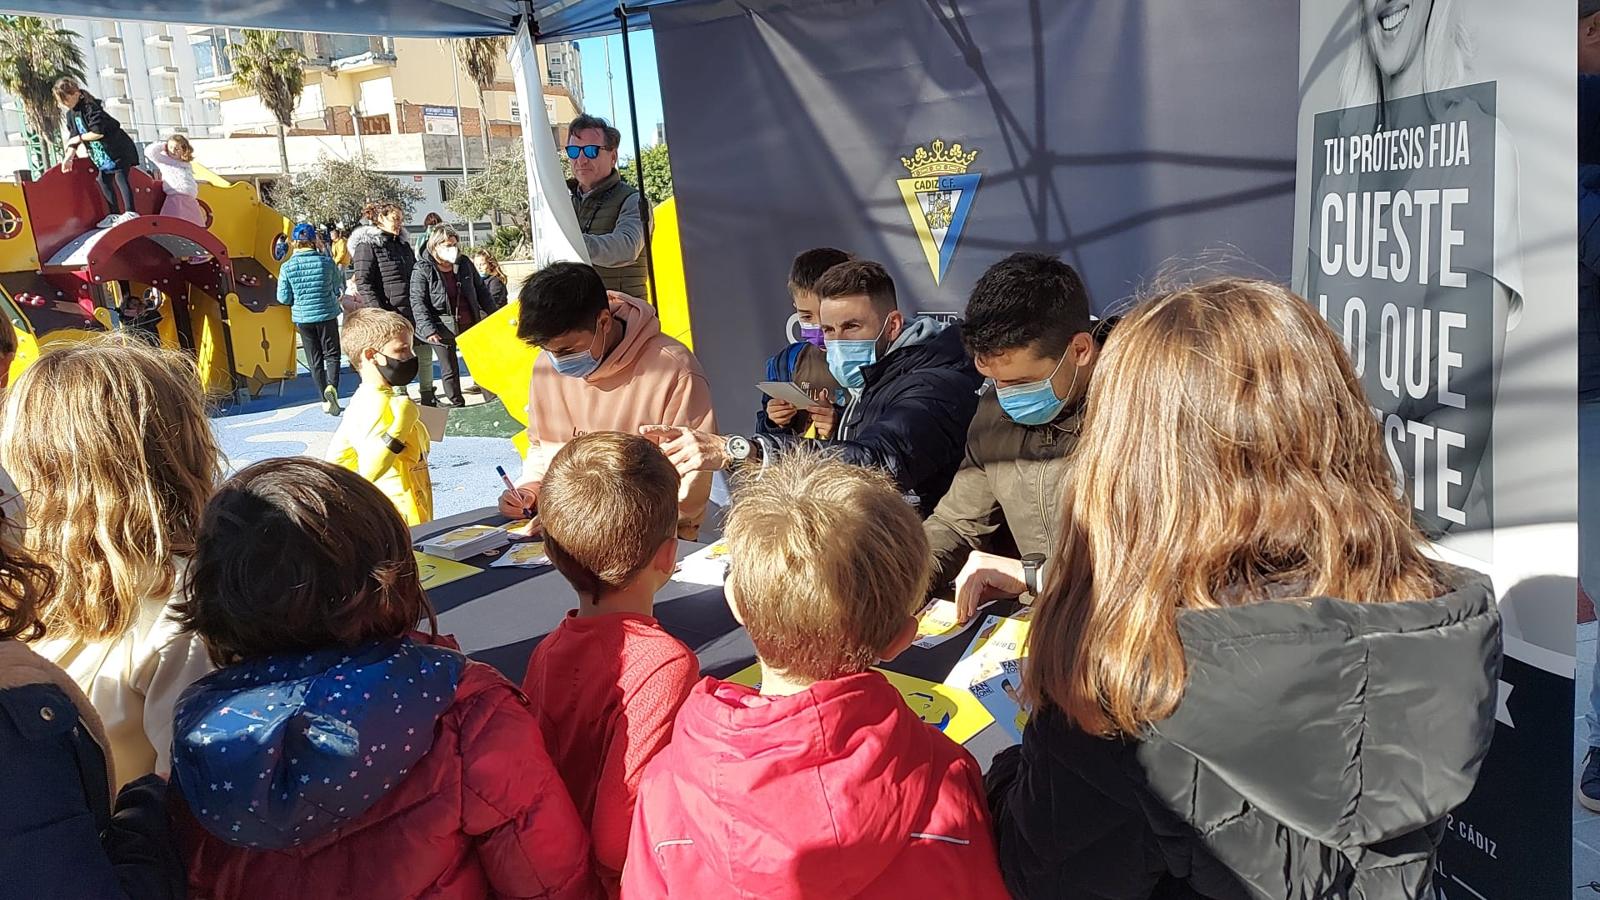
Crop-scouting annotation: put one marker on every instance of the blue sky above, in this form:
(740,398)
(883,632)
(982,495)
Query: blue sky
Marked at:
(597,95)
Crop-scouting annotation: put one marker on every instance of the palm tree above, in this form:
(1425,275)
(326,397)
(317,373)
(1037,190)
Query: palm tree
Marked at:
(265,66)
(481,58)
(34,53)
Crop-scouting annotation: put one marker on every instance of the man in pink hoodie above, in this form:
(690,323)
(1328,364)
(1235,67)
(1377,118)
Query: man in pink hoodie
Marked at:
(606,366)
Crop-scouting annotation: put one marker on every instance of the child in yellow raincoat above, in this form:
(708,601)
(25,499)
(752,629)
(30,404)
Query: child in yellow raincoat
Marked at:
(382,437)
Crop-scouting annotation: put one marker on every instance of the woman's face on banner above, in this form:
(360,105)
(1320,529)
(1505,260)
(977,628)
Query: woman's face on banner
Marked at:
(1395,29)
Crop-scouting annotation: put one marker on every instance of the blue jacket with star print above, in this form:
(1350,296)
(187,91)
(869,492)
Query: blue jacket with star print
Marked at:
(393,769)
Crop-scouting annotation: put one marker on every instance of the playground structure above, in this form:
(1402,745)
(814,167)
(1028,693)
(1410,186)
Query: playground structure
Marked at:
(63,279)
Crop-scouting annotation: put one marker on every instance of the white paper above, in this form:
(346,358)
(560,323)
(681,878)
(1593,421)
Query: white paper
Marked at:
(522,556)
(434,418)
(786,391)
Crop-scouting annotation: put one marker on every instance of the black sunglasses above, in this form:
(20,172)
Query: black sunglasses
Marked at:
(590,150)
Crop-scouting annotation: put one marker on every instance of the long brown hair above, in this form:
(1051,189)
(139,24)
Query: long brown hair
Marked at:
(1228,456)
(109,443)
(25,584)
(491,263)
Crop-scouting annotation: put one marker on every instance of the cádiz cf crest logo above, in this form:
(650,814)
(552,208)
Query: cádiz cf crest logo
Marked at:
(939,196)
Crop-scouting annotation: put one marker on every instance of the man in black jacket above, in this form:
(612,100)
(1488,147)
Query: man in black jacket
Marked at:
(912,392)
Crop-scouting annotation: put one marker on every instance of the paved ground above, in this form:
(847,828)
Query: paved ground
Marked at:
(295,425)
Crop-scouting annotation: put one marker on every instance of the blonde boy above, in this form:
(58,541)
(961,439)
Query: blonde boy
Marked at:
(608,681)
(382,437)
(822,782)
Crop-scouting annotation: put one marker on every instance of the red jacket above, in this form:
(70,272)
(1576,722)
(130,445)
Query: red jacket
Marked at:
(481,813)
(606,689)
(836,792)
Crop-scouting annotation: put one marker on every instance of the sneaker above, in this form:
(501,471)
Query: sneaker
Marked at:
(108,221)
(472,389)
(1589,781)
(427,398)
(452,402)
(330,402)
(127,216)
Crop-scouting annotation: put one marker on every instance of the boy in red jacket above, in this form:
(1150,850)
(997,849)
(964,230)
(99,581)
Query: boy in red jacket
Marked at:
(336,752)
(608,681)
(822,783)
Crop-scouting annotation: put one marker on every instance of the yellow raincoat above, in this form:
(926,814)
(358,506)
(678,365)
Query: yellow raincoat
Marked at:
(363,445)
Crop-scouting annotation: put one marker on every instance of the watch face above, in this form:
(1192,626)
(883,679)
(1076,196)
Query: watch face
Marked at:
(738,448)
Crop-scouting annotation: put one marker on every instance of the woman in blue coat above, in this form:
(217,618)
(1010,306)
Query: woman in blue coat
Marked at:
(310,283)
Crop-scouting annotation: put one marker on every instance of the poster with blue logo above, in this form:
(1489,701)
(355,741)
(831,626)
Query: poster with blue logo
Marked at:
(1434,232)
(938,136)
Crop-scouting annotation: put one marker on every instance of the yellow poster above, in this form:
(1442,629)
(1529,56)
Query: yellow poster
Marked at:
(438,572)
(955,712)
(1001,638)
(937,623)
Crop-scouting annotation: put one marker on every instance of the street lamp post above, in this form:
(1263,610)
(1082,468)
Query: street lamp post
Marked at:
(461,133)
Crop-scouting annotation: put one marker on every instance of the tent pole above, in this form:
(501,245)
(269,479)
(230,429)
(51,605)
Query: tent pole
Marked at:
(638,153)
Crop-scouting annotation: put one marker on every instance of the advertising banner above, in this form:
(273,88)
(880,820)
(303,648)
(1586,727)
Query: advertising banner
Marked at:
(1434,231)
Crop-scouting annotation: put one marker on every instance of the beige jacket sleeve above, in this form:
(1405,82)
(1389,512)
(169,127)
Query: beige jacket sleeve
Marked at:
(177,660)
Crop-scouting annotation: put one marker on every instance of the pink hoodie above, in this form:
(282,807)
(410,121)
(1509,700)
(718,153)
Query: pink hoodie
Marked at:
(649,379)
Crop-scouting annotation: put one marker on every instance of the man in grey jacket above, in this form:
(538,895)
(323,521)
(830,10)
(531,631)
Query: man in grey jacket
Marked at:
(607,207)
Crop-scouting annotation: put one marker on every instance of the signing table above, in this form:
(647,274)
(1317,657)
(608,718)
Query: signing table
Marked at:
(498,615)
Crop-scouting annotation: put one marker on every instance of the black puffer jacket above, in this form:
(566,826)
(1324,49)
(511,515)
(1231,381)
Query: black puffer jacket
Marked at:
(912,415)
(383,267)
(430,301)
(1318,746)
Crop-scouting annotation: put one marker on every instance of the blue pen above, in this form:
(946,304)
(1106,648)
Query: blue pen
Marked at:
(512,488)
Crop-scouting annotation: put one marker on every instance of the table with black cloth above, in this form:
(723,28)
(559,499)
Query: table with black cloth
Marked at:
(499,615)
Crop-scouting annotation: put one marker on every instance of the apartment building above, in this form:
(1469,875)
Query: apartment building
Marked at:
(143,72)
(363,86)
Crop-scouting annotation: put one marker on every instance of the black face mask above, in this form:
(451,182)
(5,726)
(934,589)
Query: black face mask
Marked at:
(394,373)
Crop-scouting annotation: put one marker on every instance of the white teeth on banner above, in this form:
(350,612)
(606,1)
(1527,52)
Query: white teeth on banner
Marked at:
(1393,20)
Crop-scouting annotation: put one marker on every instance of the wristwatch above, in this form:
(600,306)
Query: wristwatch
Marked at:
(1033,572)
(738,449)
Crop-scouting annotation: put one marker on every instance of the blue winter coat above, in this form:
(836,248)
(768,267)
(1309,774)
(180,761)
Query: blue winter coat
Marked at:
(59,837)
(310,284)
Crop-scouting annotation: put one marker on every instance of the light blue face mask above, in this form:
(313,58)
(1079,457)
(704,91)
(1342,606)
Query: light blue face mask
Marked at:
(847,358)
(1036,403)
(579,363)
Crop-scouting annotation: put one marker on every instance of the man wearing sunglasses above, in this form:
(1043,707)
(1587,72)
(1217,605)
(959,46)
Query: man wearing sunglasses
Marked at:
(607,206)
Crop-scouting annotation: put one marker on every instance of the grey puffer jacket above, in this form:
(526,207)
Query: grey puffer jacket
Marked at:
(1317,748)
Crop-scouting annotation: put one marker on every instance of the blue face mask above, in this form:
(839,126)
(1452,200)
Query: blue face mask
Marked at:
(1036,403)
(579,363)
(847,358)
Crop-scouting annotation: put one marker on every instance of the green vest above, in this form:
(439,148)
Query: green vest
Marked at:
(597,214)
